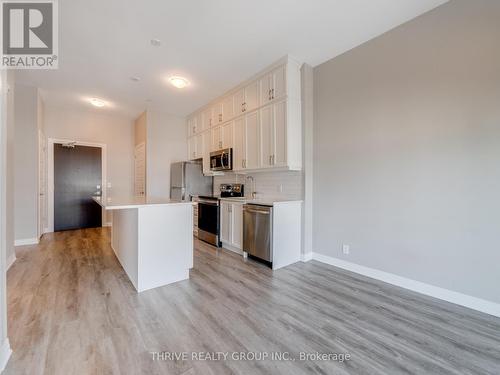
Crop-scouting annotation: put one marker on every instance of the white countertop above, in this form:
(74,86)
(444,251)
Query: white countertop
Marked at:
(261,201)
(118,203)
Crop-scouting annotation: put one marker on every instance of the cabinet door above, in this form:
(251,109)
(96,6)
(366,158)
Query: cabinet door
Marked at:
(237,225)
(217,114)
(227,108)
(265,89)
(227,135)
(217,138)
(239,102)
(207,144)
(252,92)
(278,78)
(192,148)
(199,146)
(206,119)
(239,150)
(191,124)
(252,144)
(225,222)
(266,136)
(199,122)
(279,157)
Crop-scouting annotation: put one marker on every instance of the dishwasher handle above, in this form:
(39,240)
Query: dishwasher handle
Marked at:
(257,211)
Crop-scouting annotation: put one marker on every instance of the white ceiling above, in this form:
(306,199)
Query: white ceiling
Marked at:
(214,43)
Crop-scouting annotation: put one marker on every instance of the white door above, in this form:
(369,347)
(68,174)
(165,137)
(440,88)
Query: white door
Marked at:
(252,96)
(192,148)
(252,144)
(239,150)
(237,225)
(199,146)
(140,169)
(279,157)
(217,114)
(225,222)
(266,136)
(239,102)
(265,89)
(206,119)
(278,77)
(217,138)
(227,135)
(227,108)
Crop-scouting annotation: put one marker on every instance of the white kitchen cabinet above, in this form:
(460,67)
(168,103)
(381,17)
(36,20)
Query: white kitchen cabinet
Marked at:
(192,148)
(216,138)
(252,141)
(273,85)
(199,146)
(260,120)
(227,134)
(207,145)
(239,148)
(231,224)
(206,119)
(227,108)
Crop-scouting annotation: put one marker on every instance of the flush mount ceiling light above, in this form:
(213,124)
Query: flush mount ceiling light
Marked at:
(97,102)
(135,78)
(155,42)
(179,82)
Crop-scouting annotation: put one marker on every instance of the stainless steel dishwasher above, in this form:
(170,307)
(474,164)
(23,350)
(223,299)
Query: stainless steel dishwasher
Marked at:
(258,231)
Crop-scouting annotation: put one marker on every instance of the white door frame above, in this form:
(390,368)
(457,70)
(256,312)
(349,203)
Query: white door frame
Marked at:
(50,177)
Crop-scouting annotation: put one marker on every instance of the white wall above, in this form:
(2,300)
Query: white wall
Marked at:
(407,151)
(26,163)
(166,144)
(93,126)
(267,184)
(10,150)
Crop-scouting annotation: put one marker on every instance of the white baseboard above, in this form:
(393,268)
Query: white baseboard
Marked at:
(10,261)
(108,224)
(471,302)
(5,352)
(306,257)
(26,241)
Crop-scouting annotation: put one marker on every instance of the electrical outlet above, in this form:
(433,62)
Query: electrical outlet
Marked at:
(345,249)
(280,188)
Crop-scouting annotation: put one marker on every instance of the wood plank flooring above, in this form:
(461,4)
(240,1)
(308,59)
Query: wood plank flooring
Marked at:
(72,310)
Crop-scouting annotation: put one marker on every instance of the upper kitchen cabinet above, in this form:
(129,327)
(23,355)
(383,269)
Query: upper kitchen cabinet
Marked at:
(227,108)
(217,114)
(273,85)
(260,120)
(206,119)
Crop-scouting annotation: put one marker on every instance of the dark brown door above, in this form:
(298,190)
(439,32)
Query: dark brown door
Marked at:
(77,177)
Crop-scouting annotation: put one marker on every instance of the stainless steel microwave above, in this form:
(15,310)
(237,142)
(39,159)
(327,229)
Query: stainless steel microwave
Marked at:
(221,160)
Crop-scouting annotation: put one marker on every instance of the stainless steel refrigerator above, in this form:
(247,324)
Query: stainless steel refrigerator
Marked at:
(187,180)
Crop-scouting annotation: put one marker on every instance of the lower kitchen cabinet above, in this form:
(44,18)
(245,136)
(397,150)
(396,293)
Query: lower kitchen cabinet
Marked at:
(231,225)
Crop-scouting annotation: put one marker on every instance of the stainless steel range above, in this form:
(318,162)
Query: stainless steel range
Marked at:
(209,213)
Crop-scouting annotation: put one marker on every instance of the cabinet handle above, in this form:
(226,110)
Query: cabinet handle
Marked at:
(220,117)
(272,159)
(269,94)
(272,93)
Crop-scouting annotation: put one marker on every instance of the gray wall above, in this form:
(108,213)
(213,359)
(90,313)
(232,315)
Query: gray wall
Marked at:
(10,150)
(407,151)
(26,162)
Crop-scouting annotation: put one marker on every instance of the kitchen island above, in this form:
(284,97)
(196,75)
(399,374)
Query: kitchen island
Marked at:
(152,239)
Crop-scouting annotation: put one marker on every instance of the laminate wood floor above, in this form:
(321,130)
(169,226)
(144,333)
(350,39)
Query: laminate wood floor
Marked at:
(72,310)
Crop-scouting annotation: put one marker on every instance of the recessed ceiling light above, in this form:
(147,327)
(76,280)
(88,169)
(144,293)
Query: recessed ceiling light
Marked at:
(97,102)
(156,42)
(135,78)
(179,82)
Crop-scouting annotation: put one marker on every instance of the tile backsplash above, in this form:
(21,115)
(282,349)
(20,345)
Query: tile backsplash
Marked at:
(276,185)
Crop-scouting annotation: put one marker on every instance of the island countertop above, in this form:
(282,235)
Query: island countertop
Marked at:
(125,202)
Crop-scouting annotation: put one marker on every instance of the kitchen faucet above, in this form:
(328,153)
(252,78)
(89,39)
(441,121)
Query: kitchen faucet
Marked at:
(254,193)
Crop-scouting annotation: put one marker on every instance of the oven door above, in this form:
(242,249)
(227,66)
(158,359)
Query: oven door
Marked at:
(208,221)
